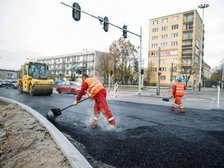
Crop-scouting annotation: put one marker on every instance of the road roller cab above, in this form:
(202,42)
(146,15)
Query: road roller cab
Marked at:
(33,79)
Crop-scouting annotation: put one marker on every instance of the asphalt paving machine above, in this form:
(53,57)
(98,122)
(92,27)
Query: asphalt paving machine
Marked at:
(34,79)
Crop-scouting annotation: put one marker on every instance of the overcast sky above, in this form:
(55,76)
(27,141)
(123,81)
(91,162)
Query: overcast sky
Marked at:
(37,28)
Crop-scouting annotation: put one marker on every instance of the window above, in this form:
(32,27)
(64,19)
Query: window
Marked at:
(173,60)
(174,35)
(154,53)
(163,61)
(173,52)
(174,43)
(154,69)
(189,17)
(154,37)
(154,61)
(196,59)
(154,45)
(197,44)
(196,51)
(164,44)
(187,43)
(163,77)
(164,36)
(188,35)
(189,26)
(155,29)
(164,28)
(187,62)
(163,53)
(189,51)
(174,26)
(163,69)
(165,20)
(154,22)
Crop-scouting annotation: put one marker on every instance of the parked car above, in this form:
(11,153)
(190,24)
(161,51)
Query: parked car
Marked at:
(68,87)
(8,83)
(57,82)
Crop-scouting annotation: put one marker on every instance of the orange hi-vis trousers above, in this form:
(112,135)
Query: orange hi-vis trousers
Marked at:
(178,102)
(101,105)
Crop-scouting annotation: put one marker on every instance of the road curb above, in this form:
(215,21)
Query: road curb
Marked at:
(74,157)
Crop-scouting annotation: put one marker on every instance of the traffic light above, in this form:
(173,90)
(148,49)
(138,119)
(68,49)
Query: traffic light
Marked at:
(76,12)
(142,71)
(125,27)
(106,24)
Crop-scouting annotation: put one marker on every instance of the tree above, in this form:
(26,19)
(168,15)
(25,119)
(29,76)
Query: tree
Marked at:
(187,68)
(216,76)
(123,57)
(148,74)
(103,66)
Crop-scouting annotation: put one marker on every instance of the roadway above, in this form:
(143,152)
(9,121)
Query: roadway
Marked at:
(148,135)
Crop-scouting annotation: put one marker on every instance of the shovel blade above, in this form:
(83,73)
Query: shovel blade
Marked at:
(56,111)
(166,99)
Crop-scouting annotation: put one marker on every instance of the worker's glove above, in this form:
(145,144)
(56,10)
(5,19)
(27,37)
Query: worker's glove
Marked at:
(75,103)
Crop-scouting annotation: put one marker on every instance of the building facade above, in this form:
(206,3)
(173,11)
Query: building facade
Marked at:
(64,66)
(8,74)
(176,45)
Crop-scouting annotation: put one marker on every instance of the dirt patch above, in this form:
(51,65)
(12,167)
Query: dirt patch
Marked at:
(24,142)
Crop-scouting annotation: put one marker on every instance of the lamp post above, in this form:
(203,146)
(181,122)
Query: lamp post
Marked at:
(202,6)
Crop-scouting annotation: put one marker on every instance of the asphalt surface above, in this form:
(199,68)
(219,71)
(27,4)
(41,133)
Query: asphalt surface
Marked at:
(147,135)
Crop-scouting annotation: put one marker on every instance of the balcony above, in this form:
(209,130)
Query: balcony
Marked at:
(188,55)
(188,20)
(187,46)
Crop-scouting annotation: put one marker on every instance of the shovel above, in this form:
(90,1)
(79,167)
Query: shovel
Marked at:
(51,115)
(167,99)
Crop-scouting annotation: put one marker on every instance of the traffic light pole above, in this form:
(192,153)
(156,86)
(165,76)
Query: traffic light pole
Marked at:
(140,65)
(158,82)
(102,20)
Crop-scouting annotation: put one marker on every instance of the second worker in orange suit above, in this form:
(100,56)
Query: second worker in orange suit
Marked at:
(178,93)
(97,92)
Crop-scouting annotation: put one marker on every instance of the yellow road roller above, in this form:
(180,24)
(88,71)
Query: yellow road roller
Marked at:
(33,79)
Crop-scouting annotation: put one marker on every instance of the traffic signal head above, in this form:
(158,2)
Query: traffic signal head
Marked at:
(106,24)
(76,12)
(125,27)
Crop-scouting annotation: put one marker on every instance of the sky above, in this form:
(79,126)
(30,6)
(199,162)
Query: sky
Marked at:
(37,28)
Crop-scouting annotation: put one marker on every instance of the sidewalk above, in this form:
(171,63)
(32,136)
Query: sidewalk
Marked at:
(206,99)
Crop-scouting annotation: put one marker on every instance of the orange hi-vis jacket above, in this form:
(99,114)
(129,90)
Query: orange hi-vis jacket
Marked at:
(178,89)
(94,86)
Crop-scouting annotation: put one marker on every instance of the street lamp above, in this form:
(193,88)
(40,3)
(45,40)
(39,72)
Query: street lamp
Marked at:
(202,6)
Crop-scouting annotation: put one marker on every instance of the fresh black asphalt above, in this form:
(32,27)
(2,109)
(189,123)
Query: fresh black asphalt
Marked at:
(147,135)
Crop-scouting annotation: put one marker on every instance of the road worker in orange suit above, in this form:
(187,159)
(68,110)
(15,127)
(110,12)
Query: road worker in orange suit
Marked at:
(97,92)
(178,93)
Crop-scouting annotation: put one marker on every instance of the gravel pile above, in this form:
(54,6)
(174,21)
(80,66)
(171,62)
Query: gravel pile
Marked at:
(24,142)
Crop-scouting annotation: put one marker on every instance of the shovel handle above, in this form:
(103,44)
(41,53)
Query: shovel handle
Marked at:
(170,97)
(73,105)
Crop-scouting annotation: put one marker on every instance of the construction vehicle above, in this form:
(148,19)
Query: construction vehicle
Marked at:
(33,79)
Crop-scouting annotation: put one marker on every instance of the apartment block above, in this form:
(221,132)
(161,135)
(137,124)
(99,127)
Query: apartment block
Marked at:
(175,46)
(63,66)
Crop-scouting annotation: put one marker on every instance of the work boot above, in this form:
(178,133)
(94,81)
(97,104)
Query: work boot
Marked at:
(94,124)
(112,122)
(111,127)
(182,110)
